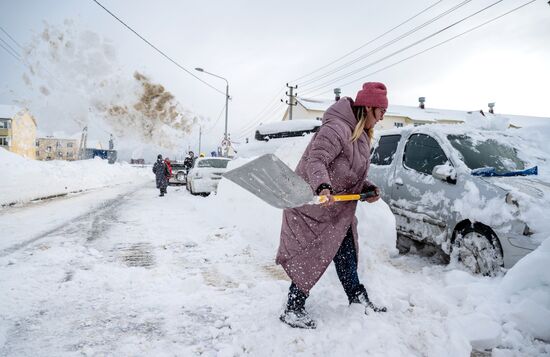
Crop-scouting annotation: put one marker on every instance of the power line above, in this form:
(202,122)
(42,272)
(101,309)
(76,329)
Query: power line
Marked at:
(216,122)
(11,38)
(274,109)
(276,106)
(11,48)
(261,114)
(366,44)
(385,45)
(434,46)
(399,51)
(11,54)
(266,118)
(159,51)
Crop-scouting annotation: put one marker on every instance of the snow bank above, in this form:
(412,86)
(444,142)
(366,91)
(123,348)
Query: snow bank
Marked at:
(526,289)
(23,180)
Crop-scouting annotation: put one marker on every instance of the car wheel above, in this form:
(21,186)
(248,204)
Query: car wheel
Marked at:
(477,248)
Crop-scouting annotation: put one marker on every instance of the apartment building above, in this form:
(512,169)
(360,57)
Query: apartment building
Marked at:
(50,148)
(17,131)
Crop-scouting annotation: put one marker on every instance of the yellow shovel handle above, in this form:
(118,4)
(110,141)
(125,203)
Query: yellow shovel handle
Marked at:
(337,198)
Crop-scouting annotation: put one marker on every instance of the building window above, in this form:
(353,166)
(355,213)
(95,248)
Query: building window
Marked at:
(398,125)
(58,144)
(37,143)
(59,154)
(3,141)
(49,149)
(69,155)
(48,157)
(37,153)
(69,145)
(5,123)
(418,124)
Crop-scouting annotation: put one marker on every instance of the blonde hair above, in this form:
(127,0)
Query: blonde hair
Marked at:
(361,116)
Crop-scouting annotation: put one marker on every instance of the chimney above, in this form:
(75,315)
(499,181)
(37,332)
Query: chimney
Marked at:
(491,106)
(421,101)
(337,92)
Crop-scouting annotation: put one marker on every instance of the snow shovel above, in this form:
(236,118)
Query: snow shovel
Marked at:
(271,180)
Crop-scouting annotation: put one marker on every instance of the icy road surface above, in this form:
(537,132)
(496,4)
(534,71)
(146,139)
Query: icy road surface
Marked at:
(122,272)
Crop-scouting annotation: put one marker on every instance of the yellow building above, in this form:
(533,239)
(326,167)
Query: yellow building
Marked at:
(17,131)
(50,148)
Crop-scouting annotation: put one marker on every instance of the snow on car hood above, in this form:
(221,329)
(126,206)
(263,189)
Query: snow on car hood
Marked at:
(533,187)
(532,196)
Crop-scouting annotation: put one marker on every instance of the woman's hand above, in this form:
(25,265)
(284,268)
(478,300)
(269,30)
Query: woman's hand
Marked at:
(330,199)
(374,194)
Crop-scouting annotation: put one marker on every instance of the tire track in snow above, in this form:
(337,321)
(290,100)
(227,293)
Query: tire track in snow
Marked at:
(103,210)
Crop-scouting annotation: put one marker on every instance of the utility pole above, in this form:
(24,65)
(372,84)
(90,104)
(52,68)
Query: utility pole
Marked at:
(200,136)
(83,144)
(291,99)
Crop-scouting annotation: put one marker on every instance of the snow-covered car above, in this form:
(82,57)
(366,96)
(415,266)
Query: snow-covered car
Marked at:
(205,175)
(178,174)
(470,192)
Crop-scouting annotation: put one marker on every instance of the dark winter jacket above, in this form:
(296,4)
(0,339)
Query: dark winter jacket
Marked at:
(188,162)
(312,234)
(162,174)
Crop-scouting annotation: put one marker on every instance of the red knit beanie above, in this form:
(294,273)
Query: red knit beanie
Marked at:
(372,95)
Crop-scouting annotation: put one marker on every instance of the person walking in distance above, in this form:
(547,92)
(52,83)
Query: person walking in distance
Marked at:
(160,169)
(336,161)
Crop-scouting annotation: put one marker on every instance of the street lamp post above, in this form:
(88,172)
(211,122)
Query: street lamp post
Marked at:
(225,137)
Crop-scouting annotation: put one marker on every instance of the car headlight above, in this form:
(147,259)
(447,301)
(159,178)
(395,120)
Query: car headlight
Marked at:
(511,200)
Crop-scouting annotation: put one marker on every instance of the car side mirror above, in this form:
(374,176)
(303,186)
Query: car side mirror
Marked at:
(445,173)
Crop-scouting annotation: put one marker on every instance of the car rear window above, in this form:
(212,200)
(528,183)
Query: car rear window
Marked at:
(385,151)
(214,163)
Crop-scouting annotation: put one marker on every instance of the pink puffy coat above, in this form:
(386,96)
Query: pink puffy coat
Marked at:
(312,234)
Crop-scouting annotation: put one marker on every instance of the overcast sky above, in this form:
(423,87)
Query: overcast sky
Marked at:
(260,45)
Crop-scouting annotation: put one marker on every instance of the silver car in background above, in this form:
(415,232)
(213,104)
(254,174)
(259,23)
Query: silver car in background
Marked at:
(178,174)
(467,192)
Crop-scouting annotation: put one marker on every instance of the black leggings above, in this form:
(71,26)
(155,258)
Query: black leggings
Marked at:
(345,262)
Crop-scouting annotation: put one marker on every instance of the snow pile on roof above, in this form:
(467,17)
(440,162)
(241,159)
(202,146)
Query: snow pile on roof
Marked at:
(23,180)
(428,114)
(487,122)
(289,126)
(9,111)
(256,148)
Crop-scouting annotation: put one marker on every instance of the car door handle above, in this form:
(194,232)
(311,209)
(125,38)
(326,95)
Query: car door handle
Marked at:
(398,183)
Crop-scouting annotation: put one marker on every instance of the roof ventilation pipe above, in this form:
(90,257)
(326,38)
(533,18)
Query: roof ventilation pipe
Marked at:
(421,101)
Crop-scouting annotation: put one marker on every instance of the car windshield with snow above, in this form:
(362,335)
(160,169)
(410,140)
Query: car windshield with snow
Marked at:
(486,154)
(473,194)
(205,175)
